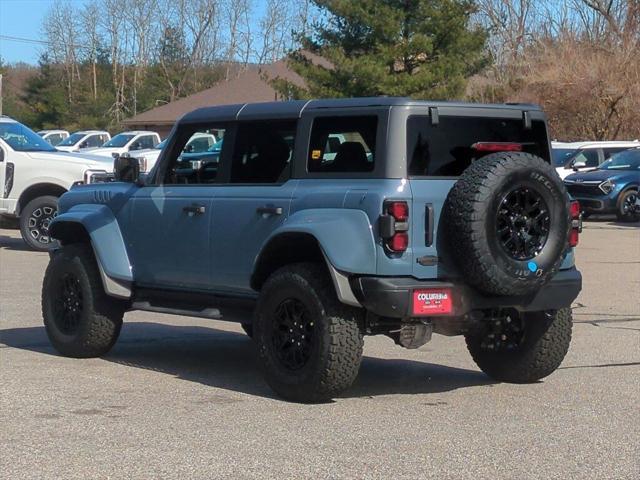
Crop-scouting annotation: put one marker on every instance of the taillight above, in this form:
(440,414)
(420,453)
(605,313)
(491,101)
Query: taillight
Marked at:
(394,226)
(489,147)
(576,223)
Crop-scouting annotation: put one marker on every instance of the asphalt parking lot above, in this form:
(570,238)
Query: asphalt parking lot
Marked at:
(184,398)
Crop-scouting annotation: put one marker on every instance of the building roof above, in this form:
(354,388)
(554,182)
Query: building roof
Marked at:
(247,86)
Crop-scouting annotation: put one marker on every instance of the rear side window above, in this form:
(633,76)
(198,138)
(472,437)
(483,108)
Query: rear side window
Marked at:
(446,149)
(262,151)
(608,152)
(343,144)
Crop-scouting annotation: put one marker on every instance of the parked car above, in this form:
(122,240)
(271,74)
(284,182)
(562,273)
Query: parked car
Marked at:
(199,142)
(611,188)
(580,156)
(54,137)
(83,139)
(127,142)
(34,174)
(430,218)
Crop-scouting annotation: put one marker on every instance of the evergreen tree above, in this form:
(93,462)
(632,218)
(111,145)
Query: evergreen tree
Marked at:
(416,48)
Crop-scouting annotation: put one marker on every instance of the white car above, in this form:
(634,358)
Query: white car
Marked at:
(126,142)
(573,157)
(34,174)
(200,142)
(54,137)
(83,139)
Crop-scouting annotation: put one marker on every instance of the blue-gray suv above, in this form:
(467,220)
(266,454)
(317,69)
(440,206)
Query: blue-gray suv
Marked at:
(323,221)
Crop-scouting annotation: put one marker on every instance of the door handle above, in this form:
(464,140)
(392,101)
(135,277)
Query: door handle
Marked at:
(194,209)
(266,210)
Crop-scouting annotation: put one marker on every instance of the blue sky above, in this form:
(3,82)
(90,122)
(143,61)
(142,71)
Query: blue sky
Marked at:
(23,19)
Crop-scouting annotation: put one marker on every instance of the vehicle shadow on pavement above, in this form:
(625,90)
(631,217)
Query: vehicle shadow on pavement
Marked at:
(229,360)
(13,243)
(603,221)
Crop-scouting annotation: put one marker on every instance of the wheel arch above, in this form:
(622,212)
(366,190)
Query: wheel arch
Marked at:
(294,247)
(38,190)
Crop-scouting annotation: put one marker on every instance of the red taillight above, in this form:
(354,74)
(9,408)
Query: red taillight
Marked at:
(399,242)
(497,147)
(398,210)
(394,225)
(576,223)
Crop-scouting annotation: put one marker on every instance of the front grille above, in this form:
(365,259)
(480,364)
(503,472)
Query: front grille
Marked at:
(583,189)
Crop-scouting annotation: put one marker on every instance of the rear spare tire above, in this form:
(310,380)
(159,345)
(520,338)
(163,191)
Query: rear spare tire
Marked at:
(507,221)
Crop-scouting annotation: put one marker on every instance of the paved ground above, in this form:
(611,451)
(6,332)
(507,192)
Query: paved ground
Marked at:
(183,398)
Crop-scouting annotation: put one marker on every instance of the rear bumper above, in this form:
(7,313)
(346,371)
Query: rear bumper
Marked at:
(393,296)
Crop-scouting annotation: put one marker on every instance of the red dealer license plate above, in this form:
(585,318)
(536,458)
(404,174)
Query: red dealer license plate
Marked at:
(432,301)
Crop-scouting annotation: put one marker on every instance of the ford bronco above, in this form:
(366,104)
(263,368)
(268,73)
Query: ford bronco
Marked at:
(324,221)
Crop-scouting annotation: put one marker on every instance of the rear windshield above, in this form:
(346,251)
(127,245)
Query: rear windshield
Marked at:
(445,149)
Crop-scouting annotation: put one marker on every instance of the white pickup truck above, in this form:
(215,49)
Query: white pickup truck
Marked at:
(33,174)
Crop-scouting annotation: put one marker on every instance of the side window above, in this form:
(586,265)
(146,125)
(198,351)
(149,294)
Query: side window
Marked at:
(609,152)
(587,157)
(54,139)
(148,141)
(191,168)
(93,141)
(262,151)
(343,144)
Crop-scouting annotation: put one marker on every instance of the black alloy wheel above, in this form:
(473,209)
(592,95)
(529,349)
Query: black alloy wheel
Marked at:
(69,304)
(292,334)
(523,223)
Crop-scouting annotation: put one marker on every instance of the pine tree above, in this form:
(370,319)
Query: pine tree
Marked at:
(418,48)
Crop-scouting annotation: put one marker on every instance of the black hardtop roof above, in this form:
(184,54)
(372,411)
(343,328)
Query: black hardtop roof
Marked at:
(294,108)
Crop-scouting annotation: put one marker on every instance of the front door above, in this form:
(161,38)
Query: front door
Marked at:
(170,227)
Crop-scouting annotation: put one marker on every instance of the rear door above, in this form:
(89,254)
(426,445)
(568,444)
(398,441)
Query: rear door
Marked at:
(438,150)
(253,200)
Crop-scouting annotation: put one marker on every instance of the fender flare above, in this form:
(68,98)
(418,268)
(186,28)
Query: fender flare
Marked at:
(107,241)
(344,235)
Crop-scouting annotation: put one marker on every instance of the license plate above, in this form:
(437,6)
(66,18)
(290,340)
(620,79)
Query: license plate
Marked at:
(432,301)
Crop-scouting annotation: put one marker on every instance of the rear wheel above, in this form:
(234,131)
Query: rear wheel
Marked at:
(627,211)
(521,348)
(310,344)
(80,319)
(35,219)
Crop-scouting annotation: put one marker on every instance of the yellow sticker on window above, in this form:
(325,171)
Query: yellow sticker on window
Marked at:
(316,154)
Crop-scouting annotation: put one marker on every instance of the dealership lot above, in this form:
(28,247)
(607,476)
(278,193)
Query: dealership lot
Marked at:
(184,397)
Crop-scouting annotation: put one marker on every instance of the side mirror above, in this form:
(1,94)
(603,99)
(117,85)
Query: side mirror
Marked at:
(126,169)
(578,165)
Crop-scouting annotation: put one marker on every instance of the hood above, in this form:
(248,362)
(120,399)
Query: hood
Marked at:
(70,148)
(90,161)
(598,175)
(103,152)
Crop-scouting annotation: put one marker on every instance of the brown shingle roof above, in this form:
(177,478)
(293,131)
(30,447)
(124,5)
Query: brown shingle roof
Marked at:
(250,85)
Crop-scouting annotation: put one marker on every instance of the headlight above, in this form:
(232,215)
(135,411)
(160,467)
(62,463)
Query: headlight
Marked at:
(91,176)
(607,186)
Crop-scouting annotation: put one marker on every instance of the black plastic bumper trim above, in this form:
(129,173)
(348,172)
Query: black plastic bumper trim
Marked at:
(392,296)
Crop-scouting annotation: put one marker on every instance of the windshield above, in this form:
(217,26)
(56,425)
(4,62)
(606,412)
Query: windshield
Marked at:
(23,139)
(562,155)
(119,140)
(627,160)
(72,139)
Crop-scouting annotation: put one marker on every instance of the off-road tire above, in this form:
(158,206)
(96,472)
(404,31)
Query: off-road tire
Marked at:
(248,329)
(621,214)
(100,316)
(337,341)
(545,343)
(470,220)
(41,204)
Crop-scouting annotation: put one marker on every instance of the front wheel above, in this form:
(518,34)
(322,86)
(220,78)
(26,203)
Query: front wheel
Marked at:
(521,348)
(80,319)
(627,210)
(35,219)
(310,344)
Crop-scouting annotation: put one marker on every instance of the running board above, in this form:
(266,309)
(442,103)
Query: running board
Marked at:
(206,312)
